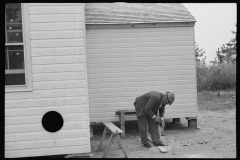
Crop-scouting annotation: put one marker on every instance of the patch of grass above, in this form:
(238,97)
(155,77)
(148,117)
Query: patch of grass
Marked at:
(210,101)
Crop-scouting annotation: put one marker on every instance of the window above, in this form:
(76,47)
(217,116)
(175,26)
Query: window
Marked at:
(16,46)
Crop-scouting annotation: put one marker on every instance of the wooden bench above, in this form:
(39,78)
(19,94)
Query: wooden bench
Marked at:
(115,131)
(122,114)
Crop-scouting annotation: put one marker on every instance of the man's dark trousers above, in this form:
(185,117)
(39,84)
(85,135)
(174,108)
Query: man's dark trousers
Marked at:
(145,122)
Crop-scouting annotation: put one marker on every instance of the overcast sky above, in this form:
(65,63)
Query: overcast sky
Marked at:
(215,21)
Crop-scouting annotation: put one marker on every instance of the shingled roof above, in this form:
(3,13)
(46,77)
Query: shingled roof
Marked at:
(129,13)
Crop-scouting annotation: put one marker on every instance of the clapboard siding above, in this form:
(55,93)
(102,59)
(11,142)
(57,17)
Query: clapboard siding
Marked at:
(48,151)
(56,34)
(16,137)
(56,26)
(36,111)
(38,52)
(59,76)
(57,47)
(125,63)
(38,127)
(36,119)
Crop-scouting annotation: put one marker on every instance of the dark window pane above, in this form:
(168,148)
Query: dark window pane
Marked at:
(6,61)
(15,48)
(15,79)
(11,27)
(16,59)
(13,13)
(14,37)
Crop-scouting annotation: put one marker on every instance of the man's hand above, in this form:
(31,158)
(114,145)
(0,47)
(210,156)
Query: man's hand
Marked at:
(157,119)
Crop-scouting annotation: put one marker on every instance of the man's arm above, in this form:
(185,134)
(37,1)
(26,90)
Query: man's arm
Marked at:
(148,108)
(161,112)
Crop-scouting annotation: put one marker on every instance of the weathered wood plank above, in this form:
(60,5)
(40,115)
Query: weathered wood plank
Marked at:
(60,85)
(56,18)
(142,74)
(63,76)
(112,127)
(16,137)
(55,4)
(141,79)
(76,42)
(38,127)
(60,51)
(56,34)
(56,26)
(47,151)
(139,55)
(37,119)
(34,111)
(45,102)
(55,9)
(59,59)
(74,92)
(141,69)
(58,68)
(46,143)
(142,64)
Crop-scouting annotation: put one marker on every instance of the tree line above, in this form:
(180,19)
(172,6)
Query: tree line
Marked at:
(220,74)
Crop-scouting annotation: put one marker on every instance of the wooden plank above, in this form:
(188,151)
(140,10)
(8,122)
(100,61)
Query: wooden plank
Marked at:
(60,85)
(45,102)
(141,69)
(139,55)
(141,79)
(60,51)
(36,144)
(141,44)
(47,151)
(47,94)
(134,40)
(62,26)
(31,136)
(76,42)
(37,119)
(162,149)
(114,129)
(54,4)
(33,111)
(134,58)
(58,68)
(55,9)
(63,76)
(142,74)
(141,49)
(58,59)
(56,34)
(139,84)
(38,127)
(56,18)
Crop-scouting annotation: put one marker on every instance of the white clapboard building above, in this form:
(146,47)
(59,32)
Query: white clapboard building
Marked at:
(69,64)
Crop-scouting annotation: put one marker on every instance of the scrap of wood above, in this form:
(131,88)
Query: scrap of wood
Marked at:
(162,149)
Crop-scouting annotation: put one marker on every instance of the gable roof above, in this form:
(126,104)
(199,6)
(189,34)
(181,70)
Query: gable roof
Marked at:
(129,13)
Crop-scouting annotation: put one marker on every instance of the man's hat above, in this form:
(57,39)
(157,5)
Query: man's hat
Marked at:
(170,97)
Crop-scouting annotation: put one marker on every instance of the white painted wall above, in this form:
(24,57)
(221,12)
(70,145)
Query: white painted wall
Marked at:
(58,55)
(124,63)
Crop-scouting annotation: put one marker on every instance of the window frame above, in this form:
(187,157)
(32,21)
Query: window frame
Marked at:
(27,54)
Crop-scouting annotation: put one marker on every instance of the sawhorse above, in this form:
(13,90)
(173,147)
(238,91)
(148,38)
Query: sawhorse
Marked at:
(115,131)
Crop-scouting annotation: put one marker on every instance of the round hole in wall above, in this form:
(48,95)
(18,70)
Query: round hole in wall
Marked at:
(52,121)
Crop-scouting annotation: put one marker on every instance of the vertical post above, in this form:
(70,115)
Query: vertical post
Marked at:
(108,146)
(122,123)
(103,137)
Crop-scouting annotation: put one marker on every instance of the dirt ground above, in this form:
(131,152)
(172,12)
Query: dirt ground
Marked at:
(214,138)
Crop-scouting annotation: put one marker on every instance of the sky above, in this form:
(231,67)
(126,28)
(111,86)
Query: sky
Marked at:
(215,21)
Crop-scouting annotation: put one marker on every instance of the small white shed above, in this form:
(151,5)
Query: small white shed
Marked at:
(133,48)
(69,64)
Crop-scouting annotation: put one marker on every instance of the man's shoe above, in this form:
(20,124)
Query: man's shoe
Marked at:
(160,143)
(147,145)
